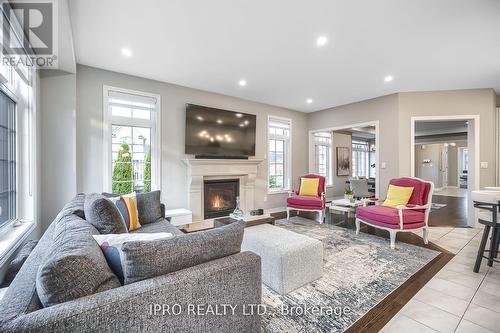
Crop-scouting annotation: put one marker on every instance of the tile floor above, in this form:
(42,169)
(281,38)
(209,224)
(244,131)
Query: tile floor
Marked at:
(456,299)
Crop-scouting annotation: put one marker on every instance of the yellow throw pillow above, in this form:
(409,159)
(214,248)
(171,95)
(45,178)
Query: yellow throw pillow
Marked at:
(397,195)
(309,186)
(127,206)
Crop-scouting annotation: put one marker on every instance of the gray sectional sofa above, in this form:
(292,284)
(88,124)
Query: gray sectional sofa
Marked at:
(234,279)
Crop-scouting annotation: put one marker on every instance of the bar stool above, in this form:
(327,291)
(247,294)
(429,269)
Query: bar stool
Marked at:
(488,203)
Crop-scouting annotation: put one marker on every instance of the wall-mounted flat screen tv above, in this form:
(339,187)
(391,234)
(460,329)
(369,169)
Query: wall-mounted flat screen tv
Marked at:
(219,133)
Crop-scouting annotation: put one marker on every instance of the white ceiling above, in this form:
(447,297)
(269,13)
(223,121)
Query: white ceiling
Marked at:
(211,45)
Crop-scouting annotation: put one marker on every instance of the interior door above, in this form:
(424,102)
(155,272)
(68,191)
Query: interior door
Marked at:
(443,168)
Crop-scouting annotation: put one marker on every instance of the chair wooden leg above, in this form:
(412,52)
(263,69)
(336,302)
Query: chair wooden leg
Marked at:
(392,234)
(425,234)
(358,225)
(287,214)
(482,246)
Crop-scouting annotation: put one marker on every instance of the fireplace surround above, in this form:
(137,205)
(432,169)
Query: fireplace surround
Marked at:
(200,170)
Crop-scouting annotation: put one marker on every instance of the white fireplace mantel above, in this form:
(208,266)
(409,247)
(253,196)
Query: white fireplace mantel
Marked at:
(199,170)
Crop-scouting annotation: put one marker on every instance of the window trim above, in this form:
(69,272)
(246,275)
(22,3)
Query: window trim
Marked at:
(16,231)
(329,176)
(125,121)
(288,160)
(7,90)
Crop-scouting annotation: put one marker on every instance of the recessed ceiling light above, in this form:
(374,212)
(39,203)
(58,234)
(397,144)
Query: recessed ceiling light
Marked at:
(127,52)
(388,78)
(239,115)
(242,83)
(309,101)
(219,121)
(321,41)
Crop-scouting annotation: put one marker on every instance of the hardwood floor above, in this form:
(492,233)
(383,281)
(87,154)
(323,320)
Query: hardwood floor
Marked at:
(375,319)
(454,214)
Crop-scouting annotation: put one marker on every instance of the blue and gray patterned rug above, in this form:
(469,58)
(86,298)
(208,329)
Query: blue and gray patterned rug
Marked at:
(359,271)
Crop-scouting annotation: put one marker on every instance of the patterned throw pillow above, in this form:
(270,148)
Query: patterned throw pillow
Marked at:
(127,206)
(111,246)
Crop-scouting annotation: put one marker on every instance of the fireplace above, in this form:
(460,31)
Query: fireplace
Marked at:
(220,197)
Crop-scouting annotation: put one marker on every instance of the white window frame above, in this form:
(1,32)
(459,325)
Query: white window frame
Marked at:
(17,230)
(154,123)
(367,158)
(287,170)
(328,145)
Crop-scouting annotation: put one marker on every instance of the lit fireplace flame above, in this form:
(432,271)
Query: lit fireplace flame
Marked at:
(216,202)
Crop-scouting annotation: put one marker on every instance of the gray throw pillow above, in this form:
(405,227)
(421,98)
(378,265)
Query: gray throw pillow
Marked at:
(103,214)
(74,267)
(144,260)
(149,207)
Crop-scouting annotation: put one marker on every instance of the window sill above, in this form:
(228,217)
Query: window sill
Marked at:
(12,237)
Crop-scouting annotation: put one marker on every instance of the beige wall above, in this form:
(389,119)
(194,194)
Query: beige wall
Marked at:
(338,182)
(90,83)
(498,100)
(58,142)
(428,171)
(383,109)
(449,103)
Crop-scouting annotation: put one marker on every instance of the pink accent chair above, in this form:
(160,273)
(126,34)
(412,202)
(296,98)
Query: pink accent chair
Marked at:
(404,218)
(308,203)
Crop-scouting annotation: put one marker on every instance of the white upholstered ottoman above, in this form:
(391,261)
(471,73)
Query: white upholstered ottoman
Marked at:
(289,260)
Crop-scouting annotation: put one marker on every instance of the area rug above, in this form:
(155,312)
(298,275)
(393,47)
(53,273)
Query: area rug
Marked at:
(359,272)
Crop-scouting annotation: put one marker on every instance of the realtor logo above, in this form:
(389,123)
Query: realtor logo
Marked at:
(29,33)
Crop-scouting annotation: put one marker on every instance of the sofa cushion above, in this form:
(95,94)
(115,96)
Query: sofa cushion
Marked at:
(74,266)
(141,259)
(302,201)
(111,246)
(18,261)
(388,215)
(103,214)
(161,225)
(149,207)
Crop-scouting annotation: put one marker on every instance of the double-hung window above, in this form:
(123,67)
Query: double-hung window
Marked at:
(360,158)
(322,154)
(132,140)
(279,153)
(8,168)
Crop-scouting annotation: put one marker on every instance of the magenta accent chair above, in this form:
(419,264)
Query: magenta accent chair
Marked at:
(307,203)
(404,218)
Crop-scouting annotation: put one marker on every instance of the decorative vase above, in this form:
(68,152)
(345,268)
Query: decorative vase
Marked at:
(237,213)
(349,197)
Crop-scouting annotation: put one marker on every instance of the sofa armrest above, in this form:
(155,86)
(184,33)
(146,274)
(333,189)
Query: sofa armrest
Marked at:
(162,208)
(149,305)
